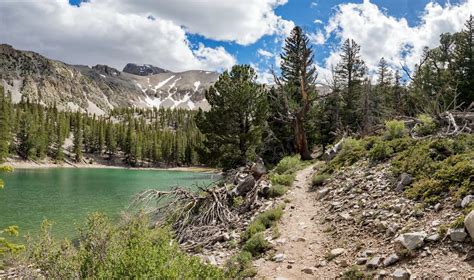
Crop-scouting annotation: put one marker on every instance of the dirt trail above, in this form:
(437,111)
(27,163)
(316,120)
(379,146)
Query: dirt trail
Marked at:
(302,241)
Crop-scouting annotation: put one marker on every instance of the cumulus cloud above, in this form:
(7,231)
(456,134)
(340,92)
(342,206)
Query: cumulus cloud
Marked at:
(241,21)
(381,35)
(116,32)
(317,38)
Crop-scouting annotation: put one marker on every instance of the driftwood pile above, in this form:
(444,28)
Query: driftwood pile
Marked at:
(202,218)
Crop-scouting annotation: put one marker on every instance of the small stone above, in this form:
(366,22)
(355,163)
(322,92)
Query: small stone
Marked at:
(373,263)
(345,216)
(291,261)
(411,240)
(437,207)
(337,252)
(467,200)
(433,238)
(322,193)
(308,270)
(401,274)
(452,270)
(457,234)
(392,259)
(289,266)
(301,239)
(469,223)
(278,258)
(361,261)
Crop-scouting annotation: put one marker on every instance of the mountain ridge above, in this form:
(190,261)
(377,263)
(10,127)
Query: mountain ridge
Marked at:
(99,88)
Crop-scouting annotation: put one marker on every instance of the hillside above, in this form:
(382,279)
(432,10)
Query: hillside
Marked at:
(100,88)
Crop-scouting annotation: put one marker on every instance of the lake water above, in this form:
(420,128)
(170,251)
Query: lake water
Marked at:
(66,195)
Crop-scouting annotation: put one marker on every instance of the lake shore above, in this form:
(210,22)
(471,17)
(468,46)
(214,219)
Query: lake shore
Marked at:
(18,163)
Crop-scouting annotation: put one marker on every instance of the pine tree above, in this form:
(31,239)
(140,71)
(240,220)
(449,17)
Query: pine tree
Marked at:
(464,53)
(297,87)
(78,139)
(350,72)
(5,128)
(233,125)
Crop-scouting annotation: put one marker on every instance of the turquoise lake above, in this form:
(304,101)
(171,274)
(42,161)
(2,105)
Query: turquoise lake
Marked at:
(66,195)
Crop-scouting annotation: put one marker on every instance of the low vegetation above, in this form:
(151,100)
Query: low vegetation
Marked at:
(440,166)
(107,251)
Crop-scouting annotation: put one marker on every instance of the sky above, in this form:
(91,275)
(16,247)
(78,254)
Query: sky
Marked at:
(213,35)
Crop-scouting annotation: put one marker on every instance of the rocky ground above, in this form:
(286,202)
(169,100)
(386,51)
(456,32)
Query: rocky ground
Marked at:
(359,221)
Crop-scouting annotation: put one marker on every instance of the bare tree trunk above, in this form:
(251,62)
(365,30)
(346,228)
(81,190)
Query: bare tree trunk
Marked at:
(301,141)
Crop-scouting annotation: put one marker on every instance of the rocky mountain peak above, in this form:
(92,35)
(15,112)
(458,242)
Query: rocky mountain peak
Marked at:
(143,70)
(106,70)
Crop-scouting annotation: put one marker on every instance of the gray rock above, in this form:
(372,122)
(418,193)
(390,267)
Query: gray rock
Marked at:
(433,238)
(374,262)
(308,270)
(392,259)
(457,234)
(337,252)
(279,258)
(411,240)
(467,200)
(401,274)
(361,261)
(437,207)
(469,223)
(245,182)
(403,181)
(322,193)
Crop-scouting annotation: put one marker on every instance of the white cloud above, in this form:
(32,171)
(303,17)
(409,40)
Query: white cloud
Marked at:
(115,32)
(241,21)
(313,5)
(317,38)
(381,35)
(318,21)
(264,53)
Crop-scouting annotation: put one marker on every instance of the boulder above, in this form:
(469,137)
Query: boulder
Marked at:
(457,234)
(403,181)
(412,240)
(467,200)
(401,274)
(245,182)
(469,223)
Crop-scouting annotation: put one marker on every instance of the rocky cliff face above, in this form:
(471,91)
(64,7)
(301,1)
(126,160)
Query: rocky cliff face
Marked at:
(143,70)
(100,88)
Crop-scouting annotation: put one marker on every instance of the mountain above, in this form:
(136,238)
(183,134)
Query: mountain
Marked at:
(143,70)
(99,88)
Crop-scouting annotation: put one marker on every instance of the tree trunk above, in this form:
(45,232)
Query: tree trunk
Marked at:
(301,143)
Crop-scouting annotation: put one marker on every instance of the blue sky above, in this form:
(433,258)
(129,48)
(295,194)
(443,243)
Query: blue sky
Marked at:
(215,34)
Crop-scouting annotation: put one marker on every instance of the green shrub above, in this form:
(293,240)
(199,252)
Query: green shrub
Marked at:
(277,191)
(319,179)
(394,129)
(256,245)
(282,179)
(426,127)
(401,144)
(415,160)
(240,266)
(107,251)
(380,151)
(263,221)
(458,223)
(287,165)
(425,189)
(352,151)
(354,273)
